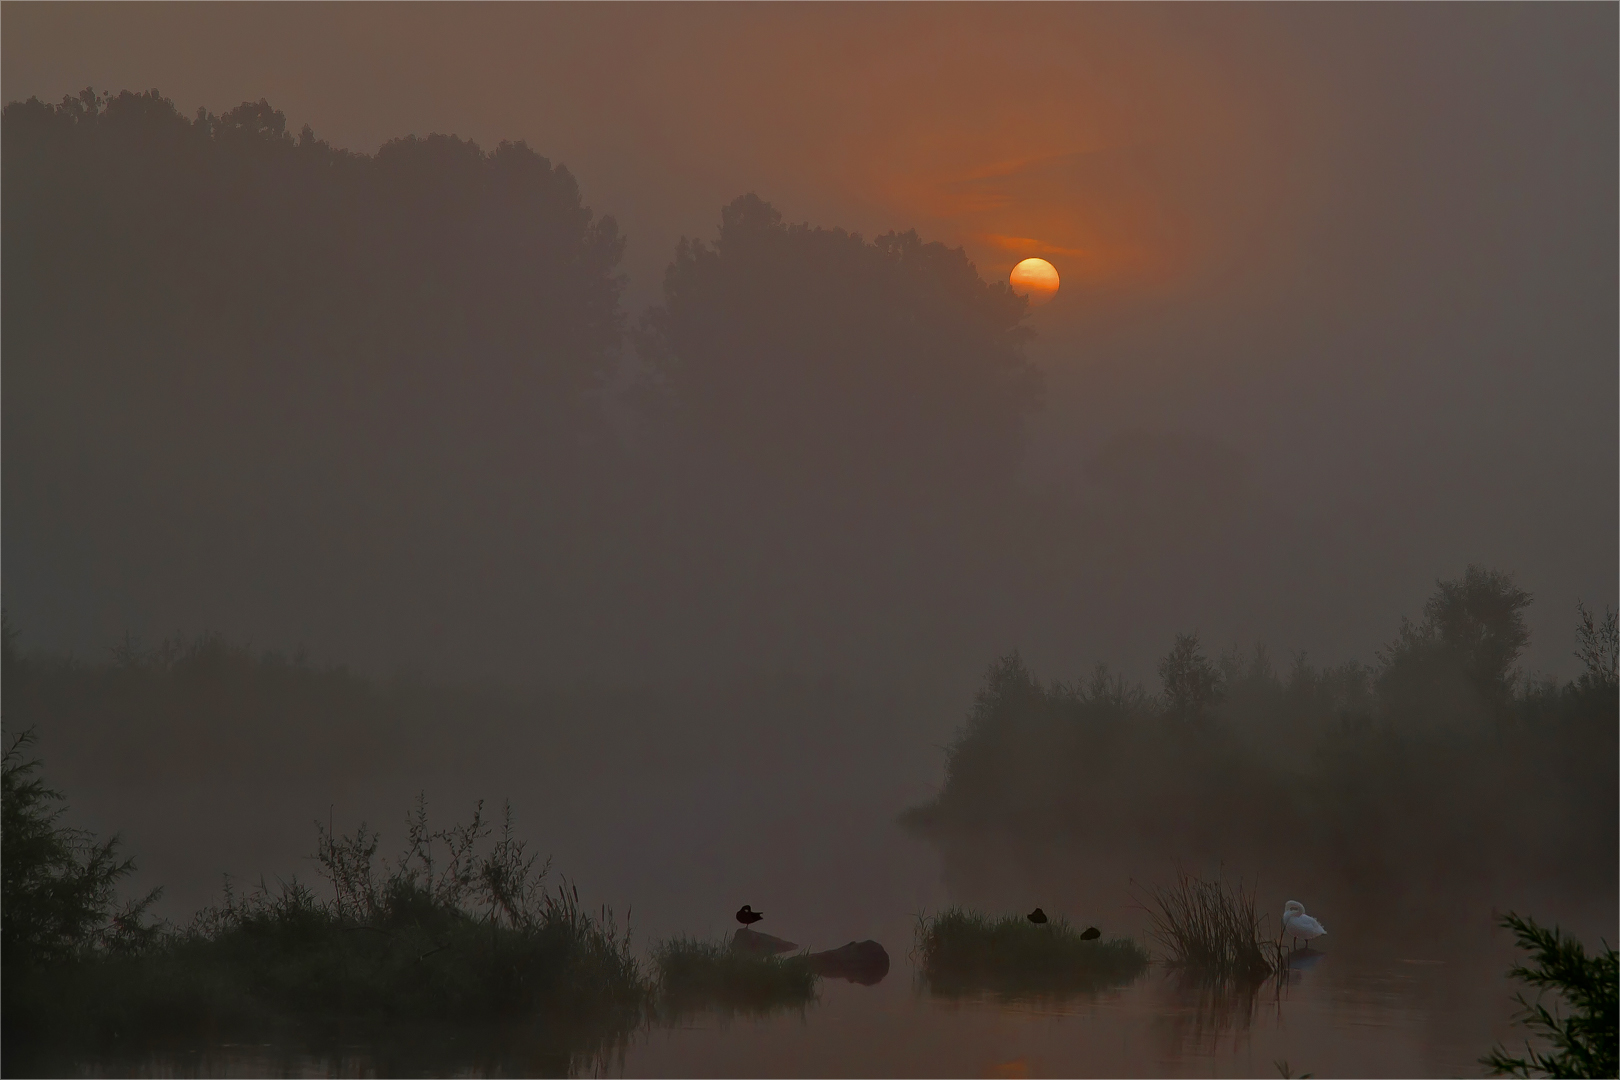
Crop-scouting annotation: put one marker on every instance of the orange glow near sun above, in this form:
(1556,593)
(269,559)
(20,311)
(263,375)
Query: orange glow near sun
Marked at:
(1035,278)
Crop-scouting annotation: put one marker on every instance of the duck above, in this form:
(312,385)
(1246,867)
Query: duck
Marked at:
(1038,917)
(748,916)
(1090,933)
(1296,924)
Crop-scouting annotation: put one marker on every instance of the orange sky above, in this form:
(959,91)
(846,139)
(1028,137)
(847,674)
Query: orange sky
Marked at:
(1369,247)
(1124,146)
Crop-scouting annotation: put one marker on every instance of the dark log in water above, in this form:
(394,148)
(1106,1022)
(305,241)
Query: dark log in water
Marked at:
(864,962)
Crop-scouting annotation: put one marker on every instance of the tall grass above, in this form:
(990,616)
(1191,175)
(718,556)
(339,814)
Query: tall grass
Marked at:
(1211,930)
(694,974)
(968,952)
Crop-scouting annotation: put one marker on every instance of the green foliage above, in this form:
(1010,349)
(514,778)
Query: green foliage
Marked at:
(1212,931)
(1587,1041)
(694,974)
(965,952)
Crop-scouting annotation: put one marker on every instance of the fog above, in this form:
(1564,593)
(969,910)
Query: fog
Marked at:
(1372,260)
(623,409)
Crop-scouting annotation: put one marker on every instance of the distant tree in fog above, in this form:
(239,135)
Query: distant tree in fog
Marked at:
(1599,649)
(229,234)
(241,363)
(818,360)
(1191,683)
(1459,660)
(1360,778)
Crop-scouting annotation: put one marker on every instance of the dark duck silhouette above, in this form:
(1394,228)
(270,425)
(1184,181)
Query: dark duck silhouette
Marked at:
(1091,933)
(1038,917)
(748,916)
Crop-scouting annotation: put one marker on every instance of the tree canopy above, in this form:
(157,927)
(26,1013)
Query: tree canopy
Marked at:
(884,368)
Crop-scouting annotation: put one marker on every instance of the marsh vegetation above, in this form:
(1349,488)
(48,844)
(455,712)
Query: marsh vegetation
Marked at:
(966,952)
(459,933)
(694,975)
(1211,930)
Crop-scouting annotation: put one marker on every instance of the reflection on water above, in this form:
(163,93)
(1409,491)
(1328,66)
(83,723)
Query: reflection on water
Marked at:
(1195,1016)
(1332,1013)
(409,1050)
(1393,991)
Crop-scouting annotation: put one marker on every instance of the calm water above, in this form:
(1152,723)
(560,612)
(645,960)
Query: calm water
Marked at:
(662,818)
(1348,1011)
(1338,1015)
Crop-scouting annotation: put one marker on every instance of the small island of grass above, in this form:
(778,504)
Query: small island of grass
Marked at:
(966,952)
(694,974)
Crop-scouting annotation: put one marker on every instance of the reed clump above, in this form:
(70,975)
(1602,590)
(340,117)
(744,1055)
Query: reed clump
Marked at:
(1211,930)
(694,974)
(967,951)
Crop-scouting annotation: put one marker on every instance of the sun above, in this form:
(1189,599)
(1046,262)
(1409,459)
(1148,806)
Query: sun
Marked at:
(1035,278)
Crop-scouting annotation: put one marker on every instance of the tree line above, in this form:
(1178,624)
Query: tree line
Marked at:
(1442,756)
(248,368)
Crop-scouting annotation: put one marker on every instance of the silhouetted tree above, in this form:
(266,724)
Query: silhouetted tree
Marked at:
(239,360)
(1191,683)
(60,884)
(1303,765)
(1459,660)
(813,360)
(1599,649)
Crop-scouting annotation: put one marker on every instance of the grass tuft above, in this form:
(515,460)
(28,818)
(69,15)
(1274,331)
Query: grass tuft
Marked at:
(967,952)
(1211,930)
(694,974)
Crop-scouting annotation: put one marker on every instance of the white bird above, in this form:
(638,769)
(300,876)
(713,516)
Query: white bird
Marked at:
(1296,924)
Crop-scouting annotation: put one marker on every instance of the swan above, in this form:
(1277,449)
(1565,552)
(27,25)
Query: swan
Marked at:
(1296,924)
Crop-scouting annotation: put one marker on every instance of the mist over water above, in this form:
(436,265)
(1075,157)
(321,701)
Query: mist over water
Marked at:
(674,461)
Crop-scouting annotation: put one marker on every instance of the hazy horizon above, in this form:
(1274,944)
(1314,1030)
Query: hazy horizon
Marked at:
(626,410)
(1357,262)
